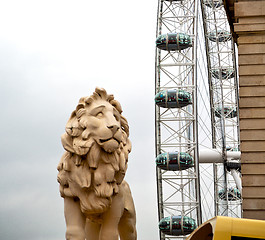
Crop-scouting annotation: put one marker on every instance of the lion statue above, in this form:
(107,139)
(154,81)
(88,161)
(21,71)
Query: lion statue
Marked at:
(98,204)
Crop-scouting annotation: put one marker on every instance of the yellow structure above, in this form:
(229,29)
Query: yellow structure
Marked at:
(227,228)
(247,21)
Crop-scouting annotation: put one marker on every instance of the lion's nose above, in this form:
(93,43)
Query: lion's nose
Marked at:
(113,128)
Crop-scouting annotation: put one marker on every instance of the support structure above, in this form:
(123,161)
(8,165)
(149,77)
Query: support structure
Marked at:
(176,118)
(222,74)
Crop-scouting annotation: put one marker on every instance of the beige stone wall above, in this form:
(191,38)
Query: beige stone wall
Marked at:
(249,27)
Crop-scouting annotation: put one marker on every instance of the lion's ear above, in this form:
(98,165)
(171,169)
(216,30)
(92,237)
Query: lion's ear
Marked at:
(67,142)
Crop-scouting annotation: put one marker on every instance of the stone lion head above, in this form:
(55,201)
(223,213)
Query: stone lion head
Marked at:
(96,152)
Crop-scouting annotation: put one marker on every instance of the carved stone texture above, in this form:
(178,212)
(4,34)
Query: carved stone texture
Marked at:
(98,204)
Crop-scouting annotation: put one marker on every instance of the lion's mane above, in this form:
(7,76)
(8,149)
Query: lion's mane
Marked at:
(87,172)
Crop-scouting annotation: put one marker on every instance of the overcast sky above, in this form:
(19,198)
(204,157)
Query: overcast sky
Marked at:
(52,53)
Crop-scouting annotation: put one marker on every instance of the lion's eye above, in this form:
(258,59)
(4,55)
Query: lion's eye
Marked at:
(100,114)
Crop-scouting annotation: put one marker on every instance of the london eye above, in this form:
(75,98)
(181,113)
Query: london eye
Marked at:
(196,120)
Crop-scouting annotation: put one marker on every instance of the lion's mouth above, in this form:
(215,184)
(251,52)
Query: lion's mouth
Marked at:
(108,139)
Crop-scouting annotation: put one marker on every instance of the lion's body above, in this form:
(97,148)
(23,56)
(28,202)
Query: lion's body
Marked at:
(98,202)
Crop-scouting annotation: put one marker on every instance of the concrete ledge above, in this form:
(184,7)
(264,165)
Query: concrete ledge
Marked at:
(254,192)
(252,91)
(253,134)
(252,80)
(253,146)
(252,70)
(252,102)
(253,168)
(252,113)
(251,48)
(251,38)
(253,59)
(253,180)
(252,124)
(246,28)
(252,157)
(249,8)
(252,20)
(254,214)
(257,204)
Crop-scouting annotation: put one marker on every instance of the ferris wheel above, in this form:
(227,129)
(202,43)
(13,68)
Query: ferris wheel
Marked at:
(196,120)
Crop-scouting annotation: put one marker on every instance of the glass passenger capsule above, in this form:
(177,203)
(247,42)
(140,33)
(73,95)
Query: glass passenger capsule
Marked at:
(222,36)
(177,225)
(229,112)
(226,73)
(233,194)
(174,161)
(173,41)
(213,3)
(173,98)
(232,149)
